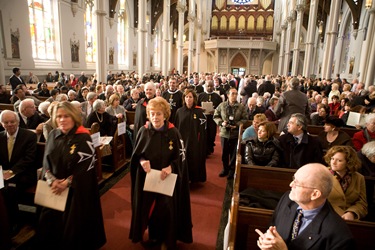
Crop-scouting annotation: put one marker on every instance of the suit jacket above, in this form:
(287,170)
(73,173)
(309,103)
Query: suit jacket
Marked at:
(295,156)
(14,81)
(22,162)
(290,102)
(353,200)
(266,87)
(326,231)
(34,121)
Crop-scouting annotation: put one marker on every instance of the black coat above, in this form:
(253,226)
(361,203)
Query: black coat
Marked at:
(192,125)
(295,156)
(170,218)
(320,234)
(263,153)
(175,102)
(80,226)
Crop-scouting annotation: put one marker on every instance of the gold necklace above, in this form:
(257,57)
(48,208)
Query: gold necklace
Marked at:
(100,120)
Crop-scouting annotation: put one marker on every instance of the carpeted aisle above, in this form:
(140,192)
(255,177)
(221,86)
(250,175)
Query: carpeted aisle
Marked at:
(206,203)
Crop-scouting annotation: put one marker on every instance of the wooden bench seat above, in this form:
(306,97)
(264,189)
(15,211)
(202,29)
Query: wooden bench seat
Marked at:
(315,130)
(6,106)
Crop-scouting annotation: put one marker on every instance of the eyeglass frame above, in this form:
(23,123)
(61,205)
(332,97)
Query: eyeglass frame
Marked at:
(297,185)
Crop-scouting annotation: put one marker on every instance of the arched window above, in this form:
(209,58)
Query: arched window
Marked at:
(232,23)
(241,23)
(214,23)
(223,23)
(90,35)
(346,45)
(260,23)
(251,23)
(121,33)
(269,23)
(42,30)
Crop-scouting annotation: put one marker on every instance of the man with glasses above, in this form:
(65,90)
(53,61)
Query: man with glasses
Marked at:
(29,117)
(304,219)
(17,157)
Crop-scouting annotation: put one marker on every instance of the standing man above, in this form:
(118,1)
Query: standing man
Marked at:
(228,116)
(17,157)
(174,96)
(210,96)
(291,102)
(304,218)
(16,79)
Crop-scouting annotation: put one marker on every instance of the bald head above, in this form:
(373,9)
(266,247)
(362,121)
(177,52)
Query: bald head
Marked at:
(317,175)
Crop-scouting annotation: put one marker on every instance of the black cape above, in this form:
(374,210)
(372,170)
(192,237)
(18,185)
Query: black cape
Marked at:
(140,116)
(80,226)
(175,102)
(168,218)
(192,126)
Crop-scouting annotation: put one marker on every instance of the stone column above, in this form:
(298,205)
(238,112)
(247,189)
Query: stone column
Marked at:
(282,46)
(198,37)
(191,19)
(371,60)
(311,31)
(330,41)
(296,50)
(166,36)
(290,20)
(181,8)
(366,48)
(101,44)
(142,36)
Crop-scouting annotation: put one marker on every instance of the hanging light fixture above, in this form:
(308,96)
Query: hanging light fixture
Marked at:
(368,4)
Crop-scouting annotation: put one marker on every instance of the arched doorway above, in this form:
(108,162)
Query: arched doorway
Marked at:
(238,65)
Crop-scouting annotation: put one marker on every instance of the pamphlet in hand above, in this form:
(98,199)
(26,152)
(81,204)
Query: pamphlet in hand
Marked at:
(356,118)
(208,107)
(154,183)
(45,197)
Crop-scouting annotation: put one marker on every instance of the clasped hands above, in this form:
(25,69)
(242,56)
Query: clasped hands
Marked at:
(59,185)
(165,172)
(270,239)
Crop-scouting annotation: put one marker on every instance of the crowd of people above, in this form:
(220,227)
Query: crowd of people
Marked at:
(175,125)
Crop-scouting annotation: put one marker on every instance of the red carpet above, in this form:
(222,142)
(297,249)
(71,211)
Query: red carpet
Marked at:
(206,204)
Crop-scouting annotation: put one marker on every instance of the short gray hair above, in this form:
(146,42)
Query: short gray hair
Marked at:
(370,117)
(91,95)
(294,83)
(11,112)
(25,101)
(98,104)
(43,107)
(301,120)
(368,149)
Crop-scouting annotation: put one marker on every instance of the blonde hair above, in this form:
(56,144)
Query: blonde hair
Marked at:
(159,103)
(70,109)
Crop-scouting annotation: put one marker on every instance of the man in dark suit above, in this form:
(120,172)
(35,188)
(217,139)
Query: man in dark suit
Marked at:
(16,78)
(299,148)
(17,157)
(267,86)
(29,117)
(318,227)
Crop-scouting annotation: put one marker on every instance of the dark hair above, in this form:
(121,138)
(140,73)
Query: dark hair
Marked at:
(195,97)
(270,128)
(15,70)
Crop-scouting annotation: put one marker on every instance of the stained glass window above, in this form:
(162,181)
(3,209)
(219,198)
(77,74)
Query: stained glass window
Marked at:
(90,34)
(41,29)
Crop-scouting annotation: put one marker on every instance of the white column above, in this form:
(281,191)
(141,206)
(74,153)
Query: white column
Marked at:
(371,64)
(311,31)
(198,37)
(282,46)
(191,19)
(181,8)
(365,55)
(166,36)
(331,35)
(142,36)
(101,44)
(290,20)
(300,9)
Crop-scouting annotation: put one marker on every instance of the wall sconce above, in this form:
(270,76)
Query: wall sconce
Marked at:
(340,17)
(147,18)
(121,13)
(184,37)
(174,33)
(368,4)
(321,28)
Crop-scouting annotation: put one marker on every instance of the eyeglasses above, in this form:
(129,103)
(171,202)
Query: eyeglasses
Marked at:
(295,183)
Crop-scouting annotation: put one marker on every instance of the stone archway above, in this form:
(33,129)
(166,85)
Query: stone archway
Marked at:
(238,62)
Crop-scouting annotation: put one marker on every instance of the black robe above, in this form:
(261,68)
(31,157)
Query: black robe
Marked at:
(140,116)
(175,102)
(80,226)
(192,126)
(107,123)
(168,218)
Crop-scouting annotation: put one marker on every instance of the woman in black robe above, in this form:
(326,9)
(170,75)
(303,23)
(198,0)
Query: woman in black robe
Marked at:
(191,122)
(159,146)
(69,159)
(107,122)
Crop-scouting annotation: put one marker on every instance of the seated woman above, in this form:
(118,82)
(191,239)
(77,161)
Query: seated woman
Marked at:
(106,121)
(251,132)
(332,135)
(322,113)
(264,149)
(114,108)
(348,195)
(367,157)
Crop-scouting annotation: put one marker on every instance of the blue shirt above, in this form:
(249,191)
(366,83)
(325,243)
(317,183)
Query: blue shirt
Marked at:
(249,133)
(308,216)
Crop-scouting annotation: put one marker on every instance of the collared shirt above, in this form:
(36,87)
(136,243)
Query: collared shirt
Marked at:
(308,216)
(24,118)
(299,137)
(14,135)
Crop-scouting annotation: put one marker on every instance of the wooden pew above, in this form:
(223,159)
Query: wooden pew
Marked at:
(315,130)
(98,163)
(130,115)
(119,150)
(5,106)
(244,220)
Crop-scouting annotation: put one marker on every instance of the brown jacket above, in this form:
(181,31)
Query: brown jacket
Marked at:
(354,199)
